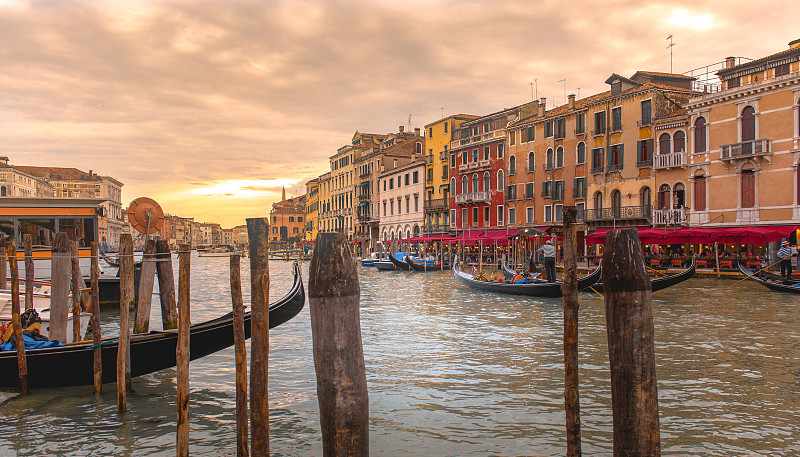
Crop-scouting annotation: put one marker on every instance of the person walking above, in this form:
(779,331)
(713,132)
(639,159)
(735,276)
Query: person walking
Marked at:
(785,255)
(549,253)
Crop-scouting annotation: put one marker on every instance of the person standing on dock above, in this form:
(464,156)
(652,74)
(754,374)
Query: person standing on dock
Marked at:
(785,254)
(549,253)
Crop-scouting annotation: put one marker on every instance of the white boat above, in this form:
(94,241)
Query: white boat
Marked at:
(41,303)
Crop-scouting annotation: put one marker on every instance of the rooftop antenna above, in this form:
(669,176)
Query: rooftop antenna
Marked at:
(409,122)
(565,88)
(671,44)
(579,93)
(443,112)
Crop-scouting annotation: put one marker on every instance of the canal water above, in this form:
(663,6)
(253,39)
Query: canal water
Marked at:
(456,372)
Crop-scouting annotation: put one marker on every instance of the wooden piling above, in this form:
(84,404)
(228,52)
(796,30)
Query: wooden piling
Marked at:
(166,286)
(240,351)
(29,273)
(76,292)
(258,234)
(338,354)
(182,350)
(3,273)
(59,292)
(629,322)
(569,289)
(125,300)
(147,276)
(97,360)
(22,364)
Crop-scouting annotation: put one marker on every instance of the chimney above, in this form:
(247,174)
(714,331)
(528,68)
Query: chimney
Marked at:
(794,44)
(730,62)
(90,172)
(542,106)
(416,131)
(401,128)
(571,101)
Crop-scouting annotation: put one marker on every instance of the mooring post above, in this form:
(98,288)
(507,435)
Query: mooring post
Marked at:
(166,285)
(147,276)
(629,322)
(76,292)
(240,352)
(334,297)
(258,234)
(569,289)
(182,350)
(59,279)
(125,300)
(27,243)
(22,364)
(97,360)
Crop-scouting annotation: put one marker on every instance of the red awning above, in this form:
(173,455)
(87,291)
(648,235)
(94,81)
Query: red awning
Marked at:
(759,234)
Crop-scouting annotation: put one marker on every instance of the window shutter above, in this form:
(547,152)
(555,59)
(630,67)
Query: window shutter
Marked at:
(639,156)
(650,149)
(621,156)
(575,185)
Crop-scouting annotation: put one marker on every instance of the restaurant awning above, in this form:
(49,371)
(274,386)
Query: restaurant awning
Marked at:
(759,234)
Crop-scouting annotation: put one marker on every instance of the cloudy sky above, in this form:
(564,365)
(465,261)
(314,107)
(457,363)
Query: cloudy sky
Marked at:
(210,107)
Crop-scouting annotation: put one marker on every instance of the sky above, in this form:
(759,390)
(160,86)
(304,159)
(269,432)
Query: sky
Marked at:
(211,107)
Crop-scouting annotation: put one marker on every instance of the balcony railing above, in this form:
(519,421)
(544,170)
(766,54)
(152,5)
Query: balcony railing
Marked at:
(477,138)
(437,204)
(746,149)
(548,166)
(670,216)
(615,167)
(675,159)
(366,174)
(597,170)
(619,213)
(484,164)
(473,197)
(644,163)
(463,167)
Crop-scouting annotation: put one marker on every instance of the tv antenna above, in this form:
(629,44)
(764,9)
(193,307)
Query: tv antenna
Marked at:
(409,122)
(565,88)
(671,44)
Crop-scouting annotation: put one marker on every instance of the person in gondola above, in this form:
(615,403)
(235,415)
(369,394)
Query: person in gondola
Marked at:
(549,253)
(785,255)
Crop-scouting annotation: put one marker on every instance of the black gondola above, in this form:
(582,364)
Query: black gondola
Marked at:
(778,285)
(417,265)
(662,282)
(399,264)
(508,273)
(150,352)
(384,265)
(539,289)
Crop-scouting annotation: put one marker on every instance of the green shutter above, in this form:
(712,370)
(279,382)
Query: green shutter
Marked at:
(639,157)
(621,156)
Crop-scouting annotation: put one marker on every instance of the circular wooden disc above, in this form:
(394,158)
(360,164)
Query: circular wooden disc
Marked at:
(140,210)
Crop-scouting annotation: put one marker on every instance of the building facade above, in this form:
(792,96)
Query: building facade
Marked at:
(287,219)
(402,194)
(312,209)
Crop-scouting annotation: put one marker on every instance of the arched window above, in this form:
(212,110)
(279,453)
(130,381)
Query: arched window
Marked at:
(748,129)
(598,202)
(475,182)
(679,141)
(453,186)
(678,196)
(464,189)
(700,134)
(512,165)
(416,230)
(581,153)
(549,158)
(663,196)
(748,188)
(3,191)
(500,181)
(486,182)
(645,199)
(616,203)
(700,192)
(530,162)
(664,143)
(559,157)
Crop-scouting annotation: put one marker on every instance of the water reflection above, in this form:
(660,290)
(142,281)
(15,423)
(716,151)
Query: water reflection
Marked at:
(452,371)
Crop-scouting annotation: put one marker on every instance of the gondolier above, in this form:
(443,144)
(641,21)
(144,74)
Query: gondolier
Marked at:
(785,254)
(549,253)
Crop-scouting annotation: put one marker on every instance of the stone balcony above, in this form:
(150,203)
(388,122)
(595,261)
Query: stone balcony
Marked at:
(745,149)
(473,197)
(675,159)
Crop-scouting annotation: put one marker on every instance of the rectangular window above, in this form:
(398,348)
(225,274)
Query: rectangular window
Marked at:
(599,122)
(474,155)
(644,153)
(486,216)
(464,157)
(430,132)
(486,153)
(416,176)
(529,214)
(579,189)
(615,157)
(548,213)
(748,189)
(616,119)
(291,218)
(475,217)
(559,213)
(733,82)
(510,190)
(384,208)
(430,174)
(699,193)
(580,123)
(548,129)
(391,207)
(646,112)
(528,134)
(485,128)
(406,180)
(299,218)
(558,190)
(500,150)
(391,183)
(444,172)
(512,137)
(581,153)
(781,70)
(597,160)
(464,220)
(529,190)
(452,216)
(475,130)
(500,213)
(512,216)
(408,205)
(560,128)
(547,188)
(445,127)
(416,203)
(581,210)
(452,160)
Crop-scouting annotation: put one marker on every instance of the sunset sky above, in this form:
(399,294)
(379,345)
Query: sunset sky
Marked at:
(210,107)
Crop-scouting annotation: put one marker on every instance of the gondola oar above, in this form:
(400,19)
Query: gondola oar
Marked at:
(762,269)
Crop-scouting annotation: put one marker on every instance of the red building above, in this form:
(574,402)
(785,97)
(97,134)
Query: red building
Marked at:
(477,171)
